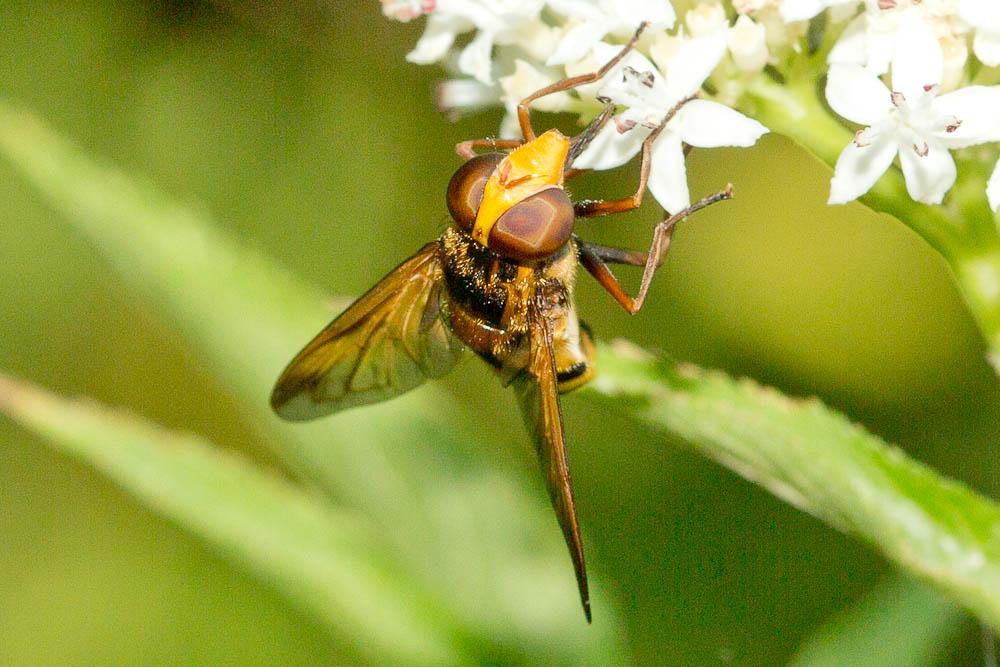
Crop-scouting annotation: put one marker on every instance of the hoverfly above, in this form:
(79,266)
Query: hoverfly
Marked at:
(499,280)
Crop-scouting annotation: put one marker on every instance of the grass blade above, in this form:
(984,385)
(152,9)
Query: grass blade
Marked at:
(812,457)
(899,622)
(325,562)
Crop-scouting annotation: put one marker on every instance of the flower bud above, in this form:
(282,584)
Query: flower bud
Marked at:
(747,43)
(956,53)
(705,18)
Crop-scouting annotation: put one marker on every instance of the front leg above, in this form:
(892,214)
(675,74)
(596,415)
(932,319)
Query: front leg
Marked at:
(523,115)
(595,207)
(467,149)
(594,258)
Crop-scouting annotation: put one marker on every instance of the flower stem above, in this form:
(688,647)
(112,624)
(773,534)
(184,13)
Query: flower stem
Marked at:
(962,230)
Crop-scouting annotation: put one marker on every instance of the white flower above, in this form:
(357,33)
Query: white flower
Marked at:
(912,121)
(591,21)
(868,40)
(984,15)
(871,38)
(638,85)
(802,10)
(497,22)
(406,10)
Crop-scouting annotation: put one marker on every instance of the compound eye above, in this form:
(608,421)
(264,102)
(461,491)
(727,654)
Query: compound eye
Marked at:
(535,227)
(465,190)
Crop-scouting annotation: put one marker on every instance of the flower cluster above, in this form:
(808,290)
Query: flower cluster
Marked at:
(918,77)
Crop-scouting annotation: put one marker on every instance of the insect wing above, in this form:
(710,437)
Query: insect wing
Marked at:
(538,393)
(387,342)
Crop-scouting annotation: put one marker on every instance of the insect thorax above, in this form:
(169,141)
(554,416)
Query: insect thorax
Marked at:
(487,296)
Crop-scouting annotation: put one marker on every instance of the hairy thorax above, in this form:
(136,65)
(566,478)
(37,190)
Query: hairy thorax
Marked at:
(488,297)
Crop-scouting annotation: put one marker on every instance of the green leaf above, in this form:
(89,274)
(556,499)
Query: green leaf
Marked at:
(486,544)
(814,458)
(899,623)
(326,561)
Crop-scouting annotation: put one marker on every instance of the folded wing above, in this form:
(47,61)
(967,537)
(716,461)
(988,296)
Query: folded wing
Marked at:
(538,393)
(387,342)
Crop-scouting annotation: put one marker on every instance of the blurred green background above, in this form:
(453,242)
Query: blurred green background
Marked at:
(300,127)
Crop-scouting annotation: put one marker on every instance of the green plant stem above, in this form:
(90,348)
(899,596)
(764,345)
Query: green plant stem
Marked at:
(963,230)
(815,459)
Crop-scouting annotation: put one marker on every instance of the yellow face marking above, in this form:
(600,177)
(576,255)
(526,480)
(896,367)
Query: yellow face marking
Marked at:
(524,272)
(528,169)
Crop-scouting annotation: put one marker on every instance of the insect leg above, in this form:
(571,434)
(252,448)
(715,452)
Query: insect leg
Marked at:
(524,118)
(615,255)
(595,207)
(582,140)
(467,149)
(570,174)
(594,258)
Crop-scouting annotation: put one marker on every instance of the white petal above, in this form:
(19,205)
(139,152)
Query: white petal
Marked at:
(623,89)
(474,13)
(538,40)
(747,43)
(987,46)
(693,62)
(577,9)
(476,58)
(632,116)
(800,10)
(859,167)
(851,48)
(993,189)
(464,95)
(577,41)
(658,13)
(918,60)
(707,124)
(611,149)
(705,18)
(438,37)
(857,94)
(600,54)
(978,109)
(880,45)
(510,127)
(930,176)
(983,14)
(667,174)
